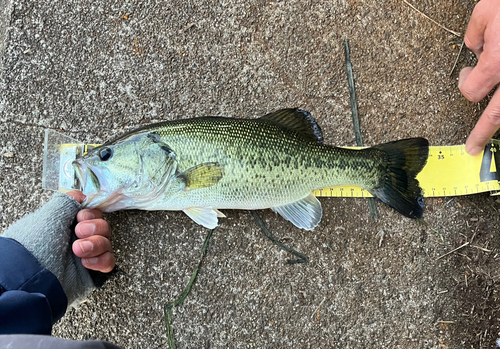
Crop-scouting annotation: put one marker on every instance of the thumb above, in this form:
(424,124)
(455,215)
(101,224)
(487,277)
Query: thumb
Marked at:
(462,77)
(77,195)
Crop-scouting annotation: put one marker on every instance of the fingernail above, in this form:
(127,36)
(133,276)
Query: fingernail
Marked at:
(86,229)
(86,246)
(87,215)
(473,150)
(93,260)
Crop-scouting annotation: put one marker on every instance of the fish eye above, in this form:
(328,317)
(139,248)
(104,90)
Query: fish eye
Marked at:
(105,154)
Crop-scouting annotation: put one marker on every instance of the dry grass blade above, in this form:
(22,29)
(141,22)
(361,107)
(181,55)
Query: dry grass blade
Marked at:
(458,57)
(458,248)
(433,21)
(480,248)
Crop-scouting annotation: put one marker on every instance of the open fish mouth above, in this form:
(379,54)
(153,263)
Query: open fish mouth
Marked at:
(85,176)
(80,176)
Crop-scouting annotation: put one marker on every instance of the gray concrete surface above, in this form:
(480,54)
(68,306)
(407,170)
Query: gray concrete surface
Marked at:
(5,13)
(90,69)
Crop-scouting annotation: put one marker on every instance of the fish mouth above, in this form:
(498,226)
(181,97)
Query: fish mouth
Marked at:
(79,173)
(87,179)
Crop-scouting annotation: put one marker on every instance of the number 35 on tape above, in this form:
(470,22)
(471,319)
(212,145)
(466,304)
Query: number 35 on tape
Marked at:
(449,171)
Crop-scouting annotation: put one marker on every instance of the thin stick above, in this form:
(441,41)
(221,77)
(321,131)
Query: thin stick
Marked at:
(301,258)
(458,56)
(480,248)
(319,306)
(433,21)
(355,118)
(168,308)
(352,93)
(458,248)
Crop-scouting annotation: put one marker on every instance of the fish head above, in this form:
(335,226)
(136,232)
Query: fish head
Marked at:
(129,172)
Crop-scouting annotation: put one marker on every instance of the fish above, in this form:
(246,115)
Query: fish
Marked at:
(207,164)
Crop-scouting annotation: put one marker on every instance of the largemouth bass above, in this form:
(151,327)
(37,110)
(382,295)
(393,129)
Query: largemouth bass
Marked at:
(206,164)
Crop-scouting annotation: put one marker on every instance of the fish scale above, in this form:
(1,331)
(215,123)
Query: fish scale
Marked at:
(278,165)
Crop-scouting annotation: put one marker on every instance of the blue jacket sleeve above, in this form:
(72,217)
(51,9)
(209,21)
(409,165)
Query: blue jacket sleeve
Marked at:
(31,297)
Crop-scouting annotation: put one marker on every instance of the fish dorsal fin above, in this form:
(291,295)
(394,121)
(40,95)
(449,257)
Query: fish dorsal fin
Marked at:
(305,213)
(203,175)
(205,216)
(299,121)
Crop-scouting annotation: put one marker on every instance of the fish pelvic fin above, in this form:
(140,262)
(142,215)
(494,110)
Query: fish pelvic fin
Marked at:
(400,189)
(202,176)
(205,216)
(305,213)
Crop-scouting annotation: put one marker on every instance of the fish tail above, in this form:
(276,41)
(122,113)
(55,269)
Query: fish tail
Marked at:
(400,189)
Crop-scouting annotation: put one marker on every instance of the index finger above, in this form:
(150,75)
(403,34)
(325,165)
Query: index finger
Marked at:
(93,227)
(486,127)
(88,214)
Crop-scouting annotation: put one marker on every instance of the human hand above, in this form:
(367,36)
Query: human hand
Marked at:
(93,232)
(483,38)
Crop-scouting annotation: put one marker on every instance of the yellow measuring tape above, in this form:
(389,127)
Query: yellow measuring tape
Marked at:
(449,171)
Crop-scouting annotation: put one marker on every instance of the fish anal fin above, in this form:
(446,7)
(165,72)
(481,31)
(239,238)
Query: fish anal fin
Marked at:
(305,213)
(219,213)
(299,121)
(205,216)
(202,176)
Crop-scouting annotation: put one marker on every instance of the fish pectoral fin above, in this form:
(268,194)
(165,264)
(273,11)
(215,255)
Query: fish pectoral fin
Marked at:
(299,121)
(205,216)
(305,213)
(202,176)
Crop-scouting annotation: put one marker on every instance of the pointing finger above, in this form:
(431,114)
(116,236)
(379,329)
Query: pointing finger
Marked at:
(486,127)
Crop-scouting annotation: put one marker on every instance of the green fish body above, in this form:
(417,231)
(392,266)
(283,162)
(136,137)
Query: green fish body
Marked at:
(202,165)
